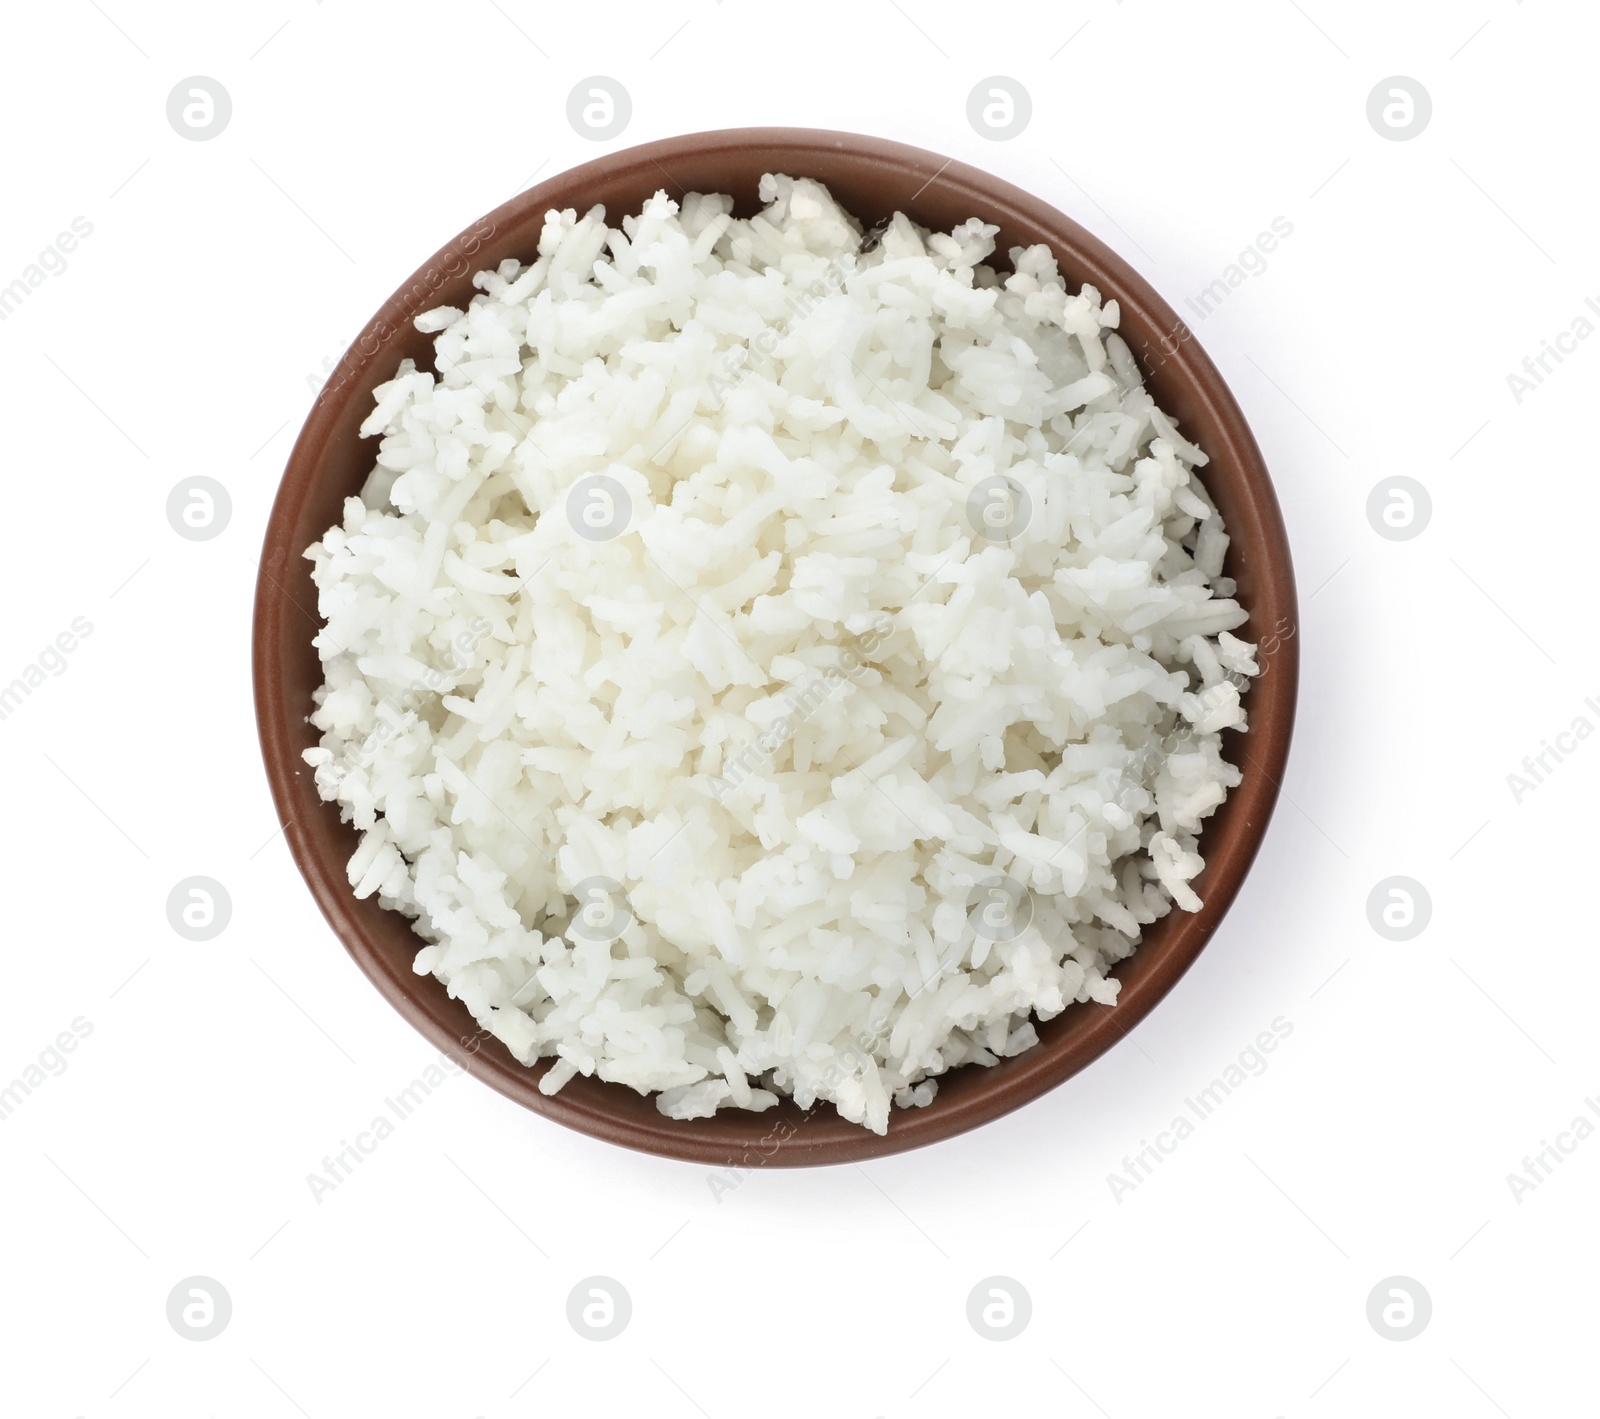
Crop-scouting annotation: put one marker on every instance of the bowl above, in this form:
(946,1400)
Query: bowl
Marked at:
(871,178)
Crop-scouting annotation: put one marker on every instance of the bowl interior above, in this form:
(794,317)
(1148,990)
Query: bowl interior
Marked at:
(873,179)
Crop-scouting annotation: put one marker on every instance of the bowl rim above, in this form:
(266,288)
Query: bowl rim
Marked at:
(786,1137)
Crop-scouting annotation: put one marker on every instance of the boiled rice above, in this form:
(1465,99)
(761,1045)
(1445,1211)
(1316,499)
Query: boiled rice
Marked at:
(685,586)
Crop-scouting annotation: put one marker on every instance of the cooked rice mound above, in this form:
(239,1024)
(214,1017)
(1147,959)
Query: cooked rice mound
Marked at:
(772,658)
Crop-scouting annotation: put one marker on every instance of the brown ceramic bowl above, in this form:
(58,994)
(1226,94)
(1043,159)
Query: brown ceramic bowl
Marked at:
(873,179)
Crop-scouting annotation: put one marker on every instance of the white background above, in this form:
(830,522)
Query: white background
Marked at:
(179,341)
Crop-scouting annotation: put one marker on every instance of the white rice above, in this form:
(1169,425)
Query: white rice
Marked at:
(870,777)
